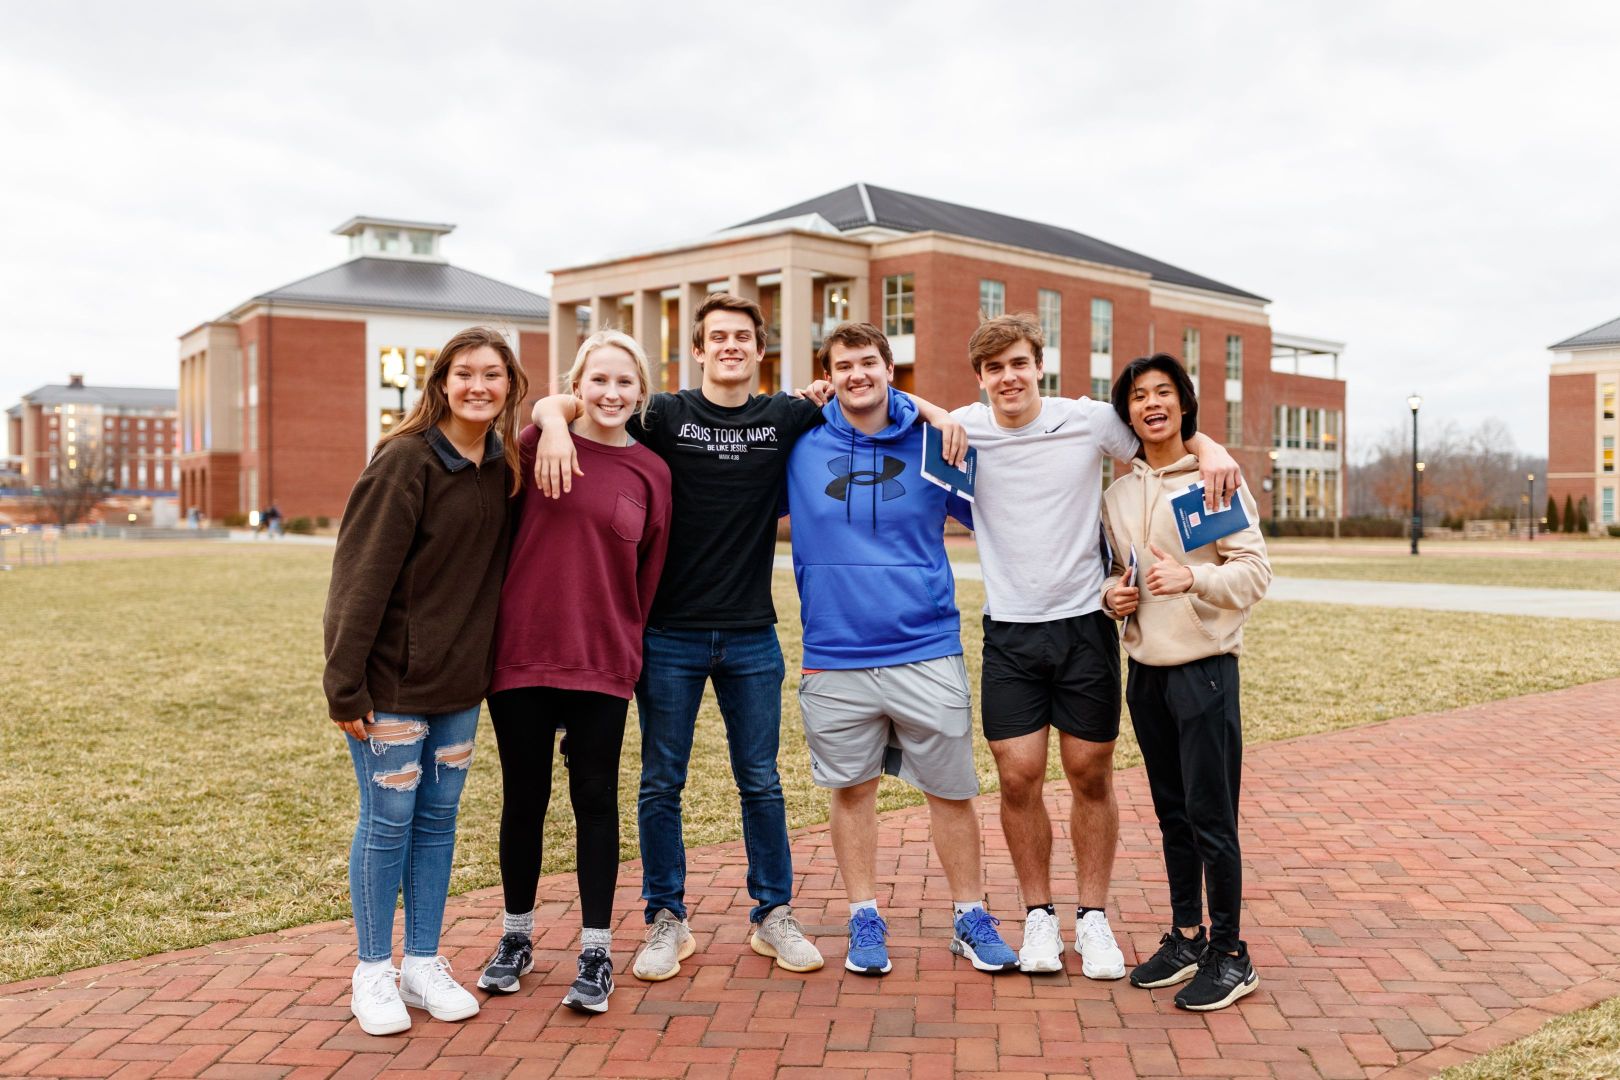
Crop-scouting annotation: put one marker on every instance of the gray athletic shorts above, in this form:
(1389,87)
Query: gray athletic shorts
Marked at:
(914,721)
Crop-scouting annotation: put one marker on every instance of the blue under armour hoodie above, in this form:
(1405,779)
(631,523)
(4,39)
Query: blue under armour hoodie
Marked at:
(875,588)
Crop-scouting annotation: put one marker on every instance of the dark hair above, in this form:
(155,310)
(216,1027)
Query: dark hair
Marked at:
(720,301)
(1002,332)
(1178,375)
(853,335)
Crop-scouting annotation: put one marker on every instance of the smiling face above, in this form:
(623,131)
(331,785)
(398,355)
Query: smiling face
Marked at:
(731,349)
(476,386)
(860,378)
(1012,381)
(609,386)
(1156,409)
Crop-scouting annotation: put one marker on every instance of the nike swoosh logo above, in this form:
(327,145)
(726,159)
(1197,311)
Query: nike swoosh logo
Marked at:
(1052,429)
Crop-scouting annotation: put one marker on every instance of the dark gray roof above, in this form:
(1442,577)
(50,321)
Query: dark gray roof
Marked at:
(846,209)
(1607,334)
(412,286)
(128,397)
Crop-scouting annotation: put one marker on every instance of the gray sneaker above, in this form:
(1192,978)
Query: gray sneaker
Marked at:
(669,941)
(781,936)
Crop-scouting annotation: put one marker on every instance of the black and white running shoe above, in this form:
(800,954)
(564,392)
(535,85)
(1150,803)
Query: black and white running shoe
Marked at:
(1221,980)
(514,957)
(591,989)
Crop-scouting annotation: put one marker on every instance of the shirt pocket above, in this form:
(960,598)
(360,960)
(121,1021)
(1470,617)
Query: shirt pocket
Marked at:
(629,518)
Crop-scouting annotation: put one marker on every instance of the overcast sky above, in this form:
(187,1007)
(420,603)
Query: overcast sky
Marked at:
(1434,184)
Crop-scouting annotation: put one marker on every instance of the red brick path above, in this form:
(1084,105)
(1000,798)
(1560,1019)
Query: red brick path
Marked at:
(1418,892)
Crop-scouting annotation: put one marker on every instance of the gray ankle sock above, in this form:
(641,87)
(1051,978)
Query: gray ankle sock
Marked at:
(518,924)
(590,938)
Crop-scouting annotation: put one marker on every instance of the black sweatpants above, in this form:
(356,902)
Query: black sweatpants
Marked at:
(526,722)
(1187,723)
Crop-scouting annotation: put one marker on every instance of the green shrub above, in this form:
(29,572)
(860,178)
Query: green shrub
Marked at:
(323,522)
(235,521)
(1351,526)
(301,525)
(1614,530)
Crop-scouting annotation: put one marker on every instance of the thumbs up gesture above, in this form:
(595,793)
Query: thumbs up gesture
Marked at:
(1167,577)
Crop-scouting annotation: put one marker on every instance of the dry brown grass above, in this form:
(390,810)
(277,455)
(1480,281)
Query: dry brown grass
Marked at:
(173,779)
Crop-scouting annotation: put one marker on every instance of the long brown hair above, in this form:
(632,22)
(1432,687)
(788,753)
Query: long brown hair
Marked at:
(433,406)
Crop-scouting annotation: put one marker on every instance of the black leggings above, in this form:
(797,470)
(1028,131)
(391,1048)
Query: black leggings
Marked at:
(526,722)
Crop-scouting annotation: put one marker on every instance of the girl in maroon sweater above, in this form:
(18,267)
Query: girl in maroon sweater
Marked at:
(579,585)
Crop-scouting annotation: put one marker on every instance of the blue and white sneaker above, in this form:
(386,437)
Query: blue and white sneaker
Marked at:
(868,954)
(978,940)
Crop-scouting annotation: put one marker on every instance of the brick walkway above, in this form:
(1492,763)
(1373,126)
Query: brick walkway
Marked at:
(1418,892)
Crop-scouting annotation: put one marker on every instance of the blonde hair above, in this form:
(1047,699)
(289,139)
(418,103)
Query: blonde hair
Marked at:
(433,405)
(618,339)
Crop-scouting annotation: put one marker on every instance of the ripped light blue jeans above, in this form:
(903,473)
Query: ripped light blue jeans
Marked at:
(411,771)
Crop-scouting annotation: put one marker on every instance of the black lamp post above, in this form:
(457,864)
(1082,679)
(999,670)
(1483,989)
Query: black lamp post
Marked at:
(401,380)
(1530,503)
(1417,508)
(1274,492)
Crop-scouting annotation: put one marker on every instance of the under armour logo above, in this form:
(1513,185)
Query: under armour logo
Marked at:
(845,473)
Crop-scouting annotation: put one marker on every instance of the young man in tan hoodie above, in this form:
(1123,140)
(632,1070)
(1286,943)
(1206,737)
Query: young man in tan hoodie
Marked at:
(1183,635)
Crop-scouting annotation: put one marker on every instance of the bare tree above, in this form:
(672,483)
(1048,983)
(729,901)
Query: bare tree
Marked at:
(81,477)
(1467,473)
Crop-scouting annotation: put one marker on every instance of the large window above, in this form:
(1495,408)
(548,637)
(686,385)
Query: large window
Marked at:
(1608,453)
(1279,421)
(1608,401)
(1100,390)
(1313,429)
(1049,308)
(1102,328)
(421,364)
(1189,352)
(992,298)
(1608,506)
(1234,423)
(899,305)
(251,413)
(1330,429)
(1234,357)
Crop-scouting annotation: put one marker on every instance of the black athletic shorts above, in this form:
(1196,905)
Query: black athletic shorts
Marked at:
(1063,673)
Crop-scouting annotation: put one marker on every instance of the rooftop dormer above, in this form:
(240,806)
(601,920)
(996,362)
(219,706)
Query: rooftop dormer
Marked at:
(392,238)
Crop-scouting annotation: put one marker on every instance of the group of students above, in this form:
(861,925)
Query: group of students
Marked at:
(623,545)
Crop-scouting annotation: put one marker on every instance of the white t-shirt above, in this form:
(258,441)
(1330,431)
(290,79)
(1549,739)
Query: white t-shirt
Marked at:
(1037,505)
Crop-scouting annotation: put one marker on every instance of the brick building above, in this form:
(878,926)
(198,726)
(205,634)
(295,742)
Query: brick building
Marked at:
(1581,423)
(283,397)
(126,434)
(924,269)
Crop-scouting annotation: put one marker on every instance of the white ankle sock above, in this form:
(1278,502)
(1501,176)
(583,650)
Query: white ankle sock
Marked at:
(413,964)
(371,967)
(857,905)
(962,907)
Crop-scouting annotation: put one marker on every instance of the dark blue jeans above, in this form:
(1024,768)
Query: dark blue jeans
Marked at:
(746,666)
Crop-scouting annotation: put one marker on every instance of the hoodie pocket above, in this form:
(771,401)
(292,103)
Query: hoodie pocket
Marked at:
(868,610)
(1192,614)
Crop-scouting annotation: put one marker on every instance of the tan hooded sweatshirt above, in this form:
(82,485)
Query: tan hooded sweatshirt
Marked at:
(1229,576)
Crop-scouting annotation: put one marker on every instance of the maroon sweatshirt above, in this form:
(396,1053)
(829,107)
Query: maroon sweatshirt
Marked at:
(583,571)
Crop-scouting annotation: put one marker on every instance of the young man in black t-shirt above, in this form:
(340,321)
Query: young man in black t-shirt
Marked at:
(713,618)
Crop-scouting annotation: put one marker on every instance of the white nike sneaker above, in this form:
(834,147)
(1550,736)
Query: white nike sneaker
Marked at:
(1100,957)
(1042,950)
(375,1001)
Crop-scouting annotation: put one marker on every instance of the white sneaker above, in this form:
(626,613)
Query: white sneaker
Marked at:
(427,984)
(1042,950)
(375,1001)
(1100,957)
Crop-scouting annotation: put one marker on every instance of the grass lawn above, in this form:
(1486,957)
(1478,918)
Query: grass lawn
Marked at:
(1560,565)
(1579,1046)
(173,779)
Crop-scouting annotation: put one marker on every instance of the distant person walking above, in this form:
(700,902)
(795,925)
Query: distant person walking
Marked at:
(568,646)
(410,622)
(272,520)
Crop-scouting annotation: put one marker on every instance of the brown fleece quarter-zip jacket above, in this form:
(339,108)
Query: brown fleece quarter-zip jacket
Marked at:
(416,580)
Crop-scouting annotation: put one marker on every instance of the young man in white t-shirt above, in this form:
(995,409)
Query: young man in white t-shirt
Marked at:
(1051,654)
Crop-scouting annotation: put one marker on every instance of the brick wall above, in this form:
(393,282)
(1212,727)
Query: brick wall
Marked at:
(1572,438)
(312,412)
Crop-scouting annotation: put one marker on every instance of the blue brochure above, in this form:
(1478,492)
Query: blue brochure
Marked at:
(935,469)
(1197,525)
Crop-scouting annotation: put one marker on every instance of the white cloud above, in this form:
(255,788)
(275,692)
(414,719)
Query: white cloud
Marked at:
(1430,183)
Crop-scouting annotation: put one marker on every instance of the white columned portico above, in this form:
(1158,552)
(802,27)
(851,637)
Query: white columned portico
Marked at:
(860,299)
(690,299)
(744,285)
(646,328)
(562,342)
(798,287)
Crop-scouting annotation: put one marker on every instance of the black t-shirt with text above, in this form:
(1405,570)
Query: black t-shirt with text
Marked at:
(727,466)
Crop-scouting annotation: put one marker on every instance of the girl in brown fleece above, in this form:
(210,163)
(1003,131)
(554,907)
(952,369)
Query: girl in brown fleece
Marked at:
(410,619)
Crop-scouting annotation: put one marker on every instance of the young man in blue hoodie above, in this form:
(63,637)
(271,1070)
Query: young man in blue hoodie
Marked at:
(884,687)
